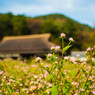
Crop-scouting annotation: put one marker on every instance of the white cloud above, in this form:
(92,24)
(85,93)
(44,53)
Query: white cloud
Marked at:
(47,6)
(92,9)
(64,4)
(77,9)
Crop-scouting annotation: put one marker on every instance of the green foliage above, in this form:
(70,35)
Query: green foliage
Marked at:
(66,48)
(54,23)
(12,25)
(54,90)
(84,72)
(93,63)
(19,25)
(10,89)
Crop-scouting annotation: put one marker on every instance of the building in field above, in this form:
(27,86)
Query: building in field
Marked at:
(81,55)
(26,46)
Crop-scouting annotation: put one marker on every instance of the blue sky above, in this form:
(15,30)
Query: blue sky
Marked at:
(80,10)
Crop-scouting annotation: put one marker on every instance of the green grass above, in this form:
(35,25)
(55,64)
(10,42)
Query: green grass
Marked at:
(27,73)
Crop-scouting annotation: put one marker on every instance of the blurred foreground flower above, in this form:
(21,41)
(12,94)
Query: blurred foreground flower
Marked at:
(49,55)
(71,39)
(88,49)
(75,83)
(32,88)
(93,92)
(72,59)
(62,35)
(38,59)
(66,57)
(57,48)
(52,48)
(1,72)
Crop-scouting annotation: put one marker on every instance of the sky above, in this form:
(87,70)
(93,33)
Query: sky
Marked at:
(82,11)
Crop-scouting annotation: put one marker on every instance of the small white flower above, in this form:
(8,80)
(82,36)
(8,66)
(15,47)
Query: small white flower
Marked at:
(32,88)
(66,57)
(4,77)
(56,62)
(76,93)
(8,83)
(21,84)
(82,89)
(62,35)
(48,91)
(38,59)
(88,49)
(50,85)
(71,39)
(57,48)
(84,63)
(72,59)
(85,52)
(75,83)
(52,48)
(75,62)
(1,72)
(93,92)
(49,55)
(77,55)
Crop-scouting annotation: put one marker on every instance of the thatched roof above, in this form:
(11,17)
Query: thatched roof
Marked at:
(26,44)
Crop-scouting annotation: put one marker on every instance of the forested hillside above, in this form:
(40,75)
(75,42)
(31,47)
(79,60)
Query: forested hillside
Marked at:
(54,23)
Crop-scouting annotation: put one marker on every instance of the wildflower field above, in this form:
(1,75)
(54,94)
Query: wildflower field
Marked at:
(55,75)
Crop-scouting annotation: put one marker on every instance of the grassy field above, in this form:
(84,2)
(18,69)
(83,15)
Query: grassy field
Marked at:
(53,76)
(26,78)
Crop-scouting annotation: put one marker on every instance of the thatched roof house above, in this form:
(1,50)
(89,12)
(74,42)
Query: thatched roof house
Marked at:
(38,44)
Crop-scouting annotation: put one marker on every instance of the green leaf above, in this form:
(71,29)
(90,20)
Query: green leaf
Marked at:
(10,90)
(47,69)
(54,90)
(84,72)
(83,84)
(86,55)
(62,74)
(51,76)
(53,58)
(63,61)
(66,48)
(66,87)
(93,63)
(73,73)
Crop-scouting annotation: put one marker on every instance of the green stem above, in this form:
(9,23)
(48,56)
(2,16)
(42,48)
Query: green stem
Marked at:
(88,77)
(41,69)
(62,50)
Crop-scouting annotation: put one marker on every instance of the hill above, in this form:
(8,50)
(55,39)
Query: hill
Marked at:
(62,18)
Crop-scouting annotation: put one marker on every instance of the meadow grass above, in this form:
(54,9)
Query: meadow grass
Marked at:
(18,76)
(53,76)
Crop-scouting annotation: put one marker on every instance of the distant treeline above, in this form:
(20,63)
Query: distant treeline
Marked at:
(55,24)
